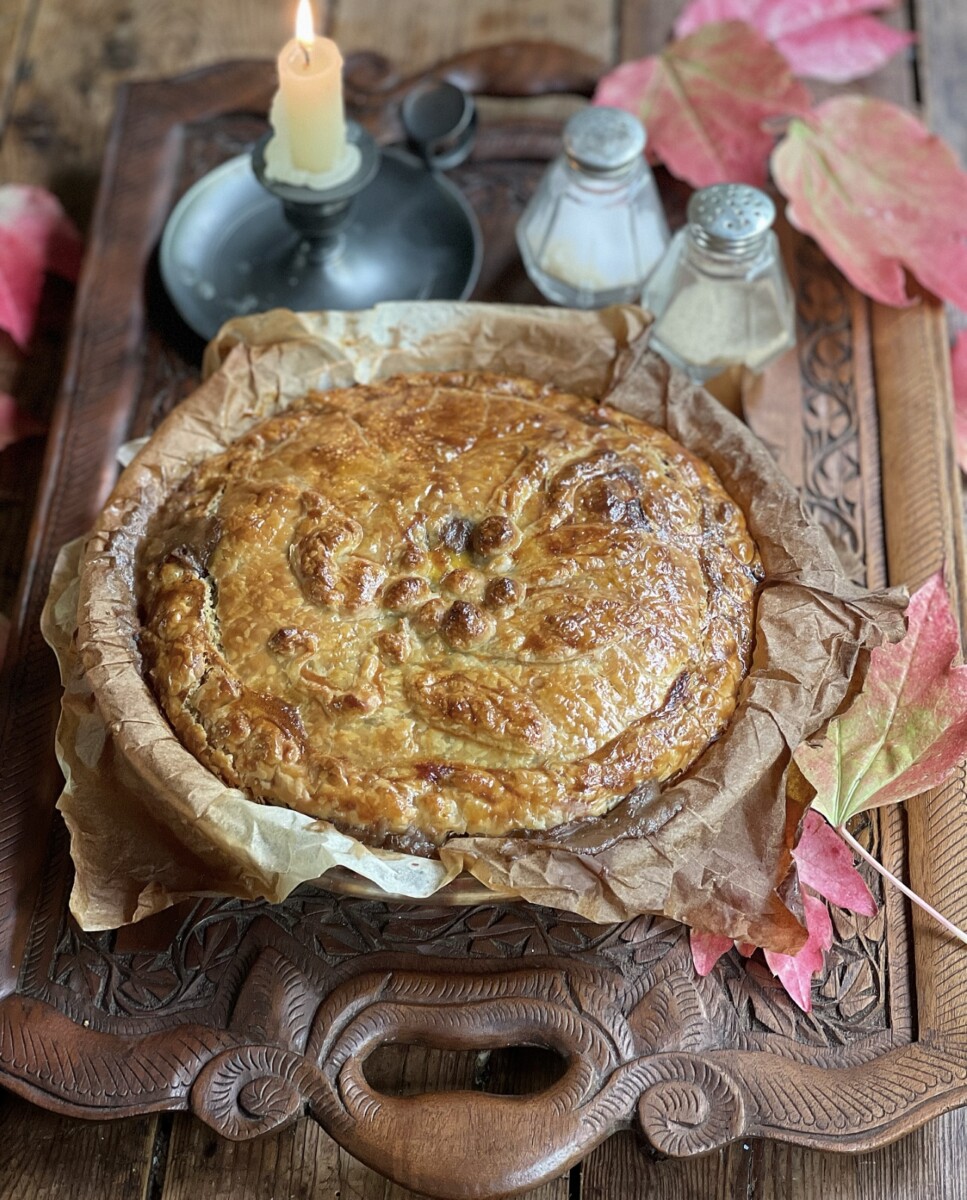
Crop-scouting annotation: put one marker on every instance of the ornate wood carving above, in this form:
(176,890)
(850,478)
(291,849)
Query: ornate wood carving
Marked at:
(249,1014)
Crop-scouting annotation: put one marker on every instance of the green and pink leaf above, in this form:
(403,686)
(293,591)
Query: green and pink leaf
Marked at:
(880,194)
(907,729)
(705,101)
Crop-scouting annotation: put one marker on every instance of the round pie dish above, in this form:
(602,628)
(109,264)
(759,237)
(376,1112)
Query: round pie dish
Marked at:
(359,585)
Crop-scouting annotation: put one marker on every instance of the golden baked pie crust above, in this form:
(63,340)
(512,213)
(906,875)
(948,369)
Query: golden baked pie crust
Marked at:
(445,604)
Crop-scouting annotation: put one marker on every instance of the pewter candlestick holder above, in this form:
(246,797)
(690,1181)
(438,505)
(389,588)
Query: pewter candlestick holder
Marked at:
(319,215)
(238,242)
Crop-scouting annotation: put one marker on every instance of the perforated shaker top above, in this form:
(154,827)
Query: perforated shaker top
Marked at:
(730,217)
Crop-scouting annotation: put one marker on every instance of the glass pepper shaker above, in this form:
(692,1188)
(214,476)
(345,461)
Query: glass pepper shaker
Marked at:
(720,296)
(594,228)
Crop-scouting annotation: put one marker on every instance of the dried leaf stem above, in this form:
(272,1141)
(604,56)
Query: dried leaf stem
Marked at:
(908,892)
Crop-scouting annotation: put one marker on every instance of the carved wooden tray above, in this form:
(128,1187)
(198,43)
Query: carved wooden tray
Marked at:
(249,1014)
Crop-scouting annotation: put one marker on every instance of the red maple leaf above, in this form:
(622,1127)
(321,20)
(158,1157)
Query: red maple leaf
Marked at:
(707,949)
(36,236)
(796,971)
(705,101)
(834,40)
(825,867)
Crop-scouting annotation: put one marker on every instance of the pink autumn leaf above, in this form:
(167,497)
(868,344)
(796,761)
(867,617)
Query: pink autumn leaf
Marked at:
(626,84)
(705,101)
(840,51)
(36,236)
(833,40)
(15,423)
(708,12)
(907,729)
(795,971)
(879,193)
(958,371)
(826,865)
(707,949)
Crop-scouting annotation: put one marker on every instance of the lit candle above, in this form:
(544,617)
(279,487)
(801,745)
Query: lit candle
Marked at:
(308,121)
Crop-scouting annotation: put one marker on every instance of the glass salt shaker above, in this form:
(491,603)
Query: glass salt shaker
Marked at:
(720,296)
(595,227)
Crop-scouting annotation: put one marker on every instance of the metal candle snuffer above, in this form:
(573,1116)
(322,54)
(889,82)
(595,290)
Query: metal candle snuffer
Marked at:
(395,228)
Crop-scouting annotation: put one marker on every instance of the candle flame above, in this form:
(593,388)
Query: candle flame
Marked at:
(304,27)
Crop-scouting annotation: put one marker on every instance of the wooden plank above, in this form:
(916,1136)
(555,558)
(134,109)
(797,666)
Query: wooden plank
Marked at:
(913,367)
(43,1155)
(942,29)
(416,35)
(920,1165)
(624,1168)
(644,26)
(77,53)
(301,1160)
(927,1163)
(16,18)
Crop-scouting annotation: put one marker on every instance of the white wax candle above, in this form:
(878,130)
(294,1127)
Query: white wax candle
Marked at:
(307,114)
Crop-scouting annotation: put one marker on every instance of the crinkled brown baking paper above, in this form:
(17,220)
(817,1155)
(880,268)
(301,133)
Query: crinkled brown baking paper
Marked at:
(149,825)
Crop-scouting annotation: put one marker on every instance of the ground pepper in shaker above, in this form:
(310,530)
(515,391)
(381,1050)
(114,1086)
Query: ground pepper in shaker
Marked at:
(595,228)
(720,296)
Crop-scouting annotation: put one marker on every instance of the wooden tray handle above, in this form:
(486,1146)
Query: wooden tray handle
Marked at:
(502,1143)
(493,1145)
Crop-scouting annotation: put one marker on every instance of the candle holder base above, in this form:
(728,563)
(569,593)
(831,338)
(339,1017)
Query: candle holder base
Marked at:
(236,244)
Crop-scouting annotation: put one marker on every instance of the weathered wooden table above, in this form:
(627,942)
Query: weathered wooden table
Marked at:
(60,61)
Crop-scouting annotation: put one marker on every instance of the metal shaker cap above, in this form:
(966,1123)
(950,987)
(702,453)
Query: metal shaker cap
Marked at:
(604,141)
(730,218)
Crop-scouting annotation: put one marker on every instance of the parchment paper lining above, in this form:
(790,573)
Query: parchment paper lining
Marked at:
(150,826)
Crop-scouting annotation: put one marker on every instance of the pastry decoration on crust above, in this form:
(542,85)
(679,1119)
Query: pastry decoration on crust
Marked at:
(448,604)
